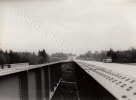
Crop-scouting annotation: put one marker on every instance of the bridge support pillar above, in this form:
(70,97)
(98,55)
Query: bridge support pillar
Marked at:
(39,80)
(24,85)
(46,82)
(52,78)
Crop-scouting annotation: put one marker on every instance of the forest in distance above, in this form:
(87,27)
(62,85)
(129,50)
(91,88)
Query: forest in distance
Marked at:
(120,56)
(11,57)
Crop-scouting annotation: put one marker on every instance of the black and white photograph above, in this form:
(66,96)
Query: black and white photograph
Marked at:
(67,49)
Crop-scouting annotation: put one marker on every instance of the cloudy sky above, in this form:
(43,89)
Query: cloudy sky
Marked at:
(67,25)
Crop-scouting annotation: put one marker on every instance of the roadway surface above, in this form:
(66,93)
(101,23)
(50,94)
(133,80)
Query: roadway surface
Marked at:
(126,69)
(118,79)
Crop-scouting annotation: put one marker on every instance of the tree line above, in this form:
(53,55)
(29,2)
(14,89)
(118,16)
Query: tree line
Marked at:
(123,56)
(96,56)
(120,56)
(11,57)
(58,56)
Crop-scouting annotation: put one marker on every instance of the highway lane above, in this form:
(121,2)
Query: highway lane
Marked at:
(129,70)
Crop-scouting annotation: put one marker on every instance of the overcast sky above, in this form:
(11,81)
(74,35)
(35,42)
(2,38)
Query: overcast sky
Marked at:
(68,25)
